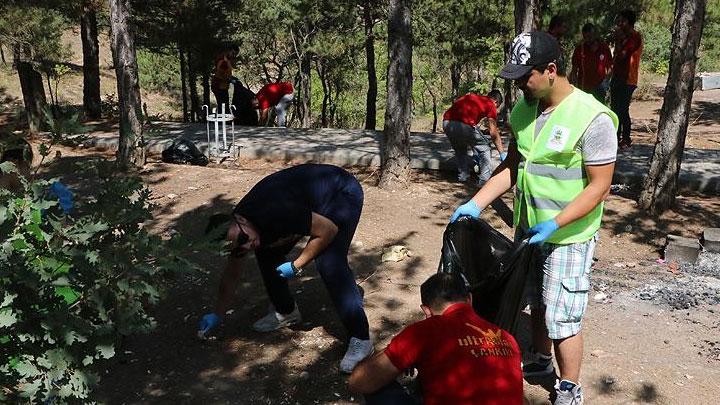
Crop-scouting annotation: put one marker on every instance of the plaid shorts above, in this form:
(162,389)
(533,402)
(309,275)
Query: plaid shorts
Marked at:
(561,283)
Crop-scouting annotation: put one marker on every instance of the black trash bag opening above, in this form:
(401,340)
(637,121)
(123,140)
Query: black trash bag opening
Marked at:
(183,151)
(494,267)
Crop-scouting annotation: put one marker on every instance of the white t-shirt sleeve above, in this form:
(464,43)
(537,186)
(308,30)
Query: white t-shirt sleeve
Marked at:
(599,142)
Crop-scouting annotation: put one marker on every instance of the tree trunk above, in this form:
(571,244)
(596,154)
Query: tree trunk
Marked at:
(433,97)
(527,15)
(91,62)
(183,84)
(454,80)
(660,185)
(206,91)
(192,81)
(305,91)
(371,99)
(31,84)
(435,110)
(395,145)
(131,148)
(527,18)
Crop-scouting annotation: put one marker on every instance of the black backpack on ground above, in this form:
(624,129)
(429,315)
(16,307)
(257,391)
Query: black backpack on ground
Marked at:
(183,151)
(494,267)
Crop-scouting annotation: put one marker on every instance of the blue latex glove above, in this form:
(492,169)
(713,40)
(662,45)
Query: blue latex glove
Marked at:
(503,156)
(470,208)
(287,270)
(65,197)
(209,322)
(542,231)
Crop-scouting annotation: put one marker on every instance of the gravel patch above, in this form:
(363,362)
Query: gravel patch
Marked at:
(698,285)
(708,264)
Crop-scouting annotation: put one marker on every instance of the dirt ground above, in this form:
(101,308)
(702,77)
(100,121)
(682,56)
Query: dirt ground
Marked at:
(636,351)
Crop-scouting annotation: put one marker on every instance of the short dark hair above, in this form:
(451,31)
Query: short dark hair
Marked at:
(559,63)
(443,288)
(556,21)
(629,15)
(496,95)
(589,27)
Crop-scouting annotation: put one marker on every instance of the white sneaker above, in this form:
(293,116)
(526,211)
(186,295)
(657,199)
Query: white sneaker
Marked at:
(274,320)
(356,352)
(573,396)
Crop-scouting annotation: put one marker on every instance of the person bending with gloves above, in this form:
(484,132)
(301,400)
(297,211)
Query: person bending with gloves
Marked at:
(320,201)
(561,161)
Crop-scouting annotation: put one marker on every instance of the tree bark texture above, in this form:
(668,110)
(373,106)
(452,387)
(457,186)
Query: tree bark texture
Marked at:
(305,91)
(31,84)
(660,185)
(206,91)
(183,86)
(527,18)
(131,149)
(527,15)
(455,80)
(91,62)
(326,95)
(371,99)
(395,146)
(192,82)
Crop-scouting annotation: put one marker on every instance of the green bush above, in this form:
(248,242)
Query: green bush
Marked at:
(656,48)
(159,72)
(72,286)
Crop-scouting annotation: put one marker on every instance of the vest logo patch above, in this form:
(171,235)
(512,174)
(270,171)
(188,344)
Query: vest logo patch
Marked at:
(558,138)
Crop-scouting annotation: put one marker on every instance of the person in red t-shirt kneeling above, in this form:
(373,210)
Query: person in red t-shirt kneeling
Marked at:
(460,357)
(278,95)
(460,123)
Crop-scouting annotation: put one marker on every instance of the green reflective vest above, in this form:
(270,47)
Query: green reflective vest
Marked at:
(551,172)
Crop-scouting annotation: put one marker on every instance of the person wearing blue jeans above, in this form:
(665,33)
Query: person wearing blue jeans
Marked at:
(323,202)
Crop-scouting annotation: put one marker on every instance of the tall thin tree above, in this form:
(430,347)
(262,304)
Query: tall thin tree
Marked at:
(527,18)
(660,185)
(395,145)
(131,150)
(91,59)
(371,97)
(31,85)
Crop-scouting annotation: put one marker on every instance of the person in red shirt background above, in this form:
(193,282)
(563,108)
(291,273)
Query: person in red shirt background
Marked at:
(461,358)
(460,123)
(591,63)
(278,95)
(626,67)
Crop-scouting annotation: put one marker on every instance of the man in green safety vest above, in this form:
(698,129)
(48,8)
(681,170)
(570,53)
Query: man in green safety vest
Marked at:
(560,160)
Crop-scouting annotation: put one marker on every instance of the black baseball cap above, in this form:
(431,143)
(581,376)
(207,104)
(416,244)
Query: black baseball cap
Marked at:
(530,49)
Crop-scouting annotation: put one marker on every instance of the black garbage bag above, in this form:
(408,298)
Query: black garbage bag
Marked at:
(183,151)
(244,112)
(494,267)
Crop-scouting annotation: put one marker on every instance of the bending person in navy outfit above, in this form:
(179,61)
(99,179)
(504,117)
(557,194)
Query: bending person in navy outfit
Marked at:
(320,201)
